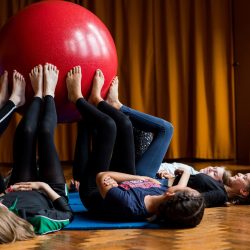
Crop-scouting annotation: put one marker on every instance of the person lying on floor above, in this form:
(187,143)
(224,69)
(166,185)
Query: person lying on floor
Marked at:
(236,189)
(147,164)
(35,203)
(120,194)
(168,170)
(143,137)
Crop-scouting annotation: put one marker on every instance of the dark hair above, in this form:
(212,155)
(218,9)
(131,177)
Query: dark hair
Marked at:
(182,210)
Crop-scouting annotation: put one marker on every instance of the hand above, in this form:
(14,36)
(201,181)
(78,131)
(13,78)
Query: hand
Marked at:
(26,186)
(163,174)
(178,172)
(108,181)
(18,187)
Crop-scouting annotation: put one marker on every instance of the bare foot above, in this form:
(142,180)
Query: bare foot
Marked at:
(18,89)
(36,78)
(98,81)
(73,82)
(112,97)
(4,95)
(50,79)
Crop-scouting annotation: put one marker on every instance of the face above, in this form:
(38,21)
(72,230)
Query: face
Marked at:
(239,181)
(215,172)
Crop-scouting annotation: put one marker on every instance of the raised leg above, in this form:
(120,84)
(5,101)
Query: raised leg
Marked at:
(149,162)
(151,159)
(24,145)
(123,159)
(99,125)
(17,98)
(50,169)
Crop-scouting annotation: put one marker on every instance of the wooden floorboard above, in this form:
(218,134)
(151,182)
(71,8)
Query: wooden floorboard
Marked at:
(222,228)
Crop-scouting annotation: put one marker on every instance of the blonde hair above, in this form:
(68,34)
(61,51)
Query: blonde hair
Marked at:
(13,228)
(226,176)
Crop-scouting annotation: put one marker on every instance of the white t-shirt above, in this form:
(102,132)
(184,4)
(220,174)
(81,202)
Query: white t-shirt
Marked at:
(171,167)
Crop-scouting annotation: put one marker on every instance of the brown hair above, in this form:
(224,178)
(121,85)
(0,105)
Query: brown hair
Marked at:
(183,210)
(13,228)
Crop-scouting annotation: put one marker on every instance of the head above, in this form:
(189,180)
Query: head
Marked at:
(217,173)
(239,188)
(13,228)
(182,209)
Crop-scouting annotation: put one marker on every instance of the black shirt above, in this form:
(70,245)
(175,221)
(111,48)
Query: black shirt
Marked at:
(213,191)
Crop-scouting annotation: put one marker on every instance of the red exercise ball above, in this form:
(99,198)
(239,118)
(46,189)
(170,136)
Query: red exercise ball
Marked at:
(64,34)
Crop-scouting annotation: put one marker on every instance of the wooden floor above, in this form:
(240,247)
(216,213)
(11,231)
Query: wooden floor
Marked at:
(223,228)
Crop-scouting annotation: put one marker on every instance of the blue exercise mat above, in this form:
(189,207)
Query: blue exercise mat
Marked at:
(83,221)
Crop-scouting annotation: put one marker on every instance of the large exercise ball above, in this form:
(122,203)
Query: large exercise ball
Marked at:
(64,34)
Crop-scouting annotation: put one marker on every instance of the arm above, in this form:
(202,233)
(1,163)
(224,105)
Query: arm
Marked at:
(107,180)
(26,186)
(183,180)
(47,220)
(213,191)
(59,202)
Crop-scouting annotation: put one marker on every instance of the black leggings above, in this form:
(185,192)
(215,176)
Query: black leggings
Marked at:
(6,112)
(37,125)
(112,141)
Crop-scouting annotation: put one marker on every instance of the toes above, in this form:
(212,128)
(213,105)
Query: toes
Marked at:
(78,69)
(40,68)
(70,73)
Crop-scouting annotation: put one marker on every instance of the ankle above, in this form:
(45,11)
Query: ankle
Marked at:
(48,92)
(118,105)
(76,98)
(38,94)
(95,100)
(16,100)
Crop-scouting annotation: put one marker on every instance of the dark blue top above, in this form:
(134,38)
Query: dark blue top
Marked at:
(126,202)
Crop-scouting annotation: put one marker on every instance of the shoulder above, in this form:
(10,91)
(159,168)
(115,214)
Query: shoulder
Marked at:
(205,178)
(206,182)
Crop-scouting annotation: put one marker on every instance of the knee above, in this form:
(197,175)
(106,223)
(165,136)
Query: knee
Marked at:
(45,130)
(125,123)
(109,126)
(166,127)
(26,130)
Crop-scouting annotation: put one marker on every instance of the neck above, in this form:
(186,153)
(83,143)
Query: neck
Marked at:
(230,192)
(152,202)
